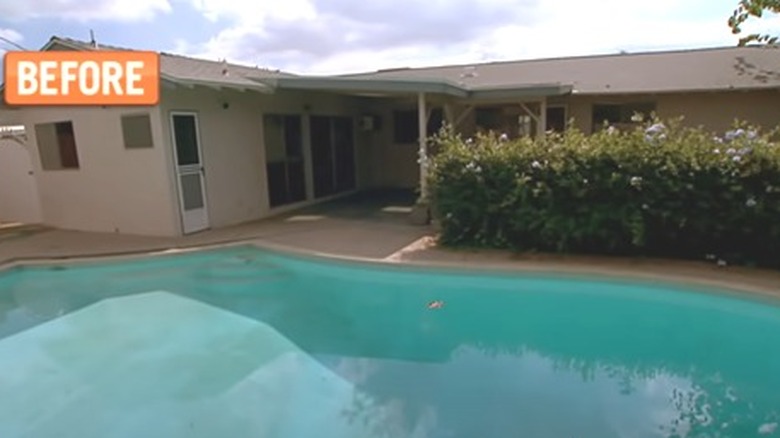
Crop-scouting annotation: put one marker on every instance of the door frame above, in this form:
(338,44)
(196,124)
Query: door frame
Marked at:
(201,168)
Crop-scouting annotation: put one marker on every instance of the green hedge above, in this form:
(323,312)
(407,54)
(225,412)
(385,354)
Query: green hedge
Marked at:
(659,190)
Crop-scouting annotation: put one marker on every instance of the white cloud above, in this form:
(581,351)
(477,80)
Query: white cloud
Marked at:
(10,35)
(83,10)
(336,36)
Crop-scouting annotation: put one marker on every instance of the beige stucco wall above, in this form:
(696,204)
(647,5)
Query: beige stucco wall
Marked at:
(114,189)
(19,200)
(232,143)
(714,111)
(395,165)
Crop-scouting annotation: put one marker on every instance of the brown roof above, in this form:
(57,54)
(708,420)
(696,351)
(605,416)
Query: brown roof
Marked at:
(684,70)
(186,69)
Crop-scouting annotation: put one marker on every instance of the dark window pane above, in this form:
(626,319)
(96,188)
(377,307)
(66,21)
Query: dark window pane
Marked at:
(277,183)
(297,181)
(606,114)
(405,129)
(435,121)
(185,133)
(322,156)
(489,119)
(66,140)
(556,119)
(293,136)
(344,153)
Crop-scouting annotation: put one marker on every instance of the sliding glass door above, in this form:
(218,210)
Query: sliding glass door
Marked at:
(284,159)
(333,155)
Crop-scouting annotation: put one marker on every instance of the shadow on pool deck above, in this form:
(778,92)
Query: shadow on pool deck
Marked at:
(367,225)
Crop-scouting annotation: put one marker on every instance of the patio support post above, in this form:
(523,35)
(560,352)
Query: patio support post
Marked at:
(542,122)
(422,124)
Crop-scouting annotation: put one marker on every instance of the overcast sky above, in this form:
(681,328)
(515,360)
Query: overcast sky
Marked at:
(340,36)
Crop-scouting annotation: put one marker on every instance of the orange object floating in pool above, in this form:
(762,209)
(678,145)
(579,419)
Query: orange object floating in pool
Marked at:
(438,304)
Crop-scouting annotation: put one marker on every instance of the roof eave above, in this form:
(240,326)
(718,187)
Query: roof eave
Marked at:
(217,85)
(521,91)
(348,85)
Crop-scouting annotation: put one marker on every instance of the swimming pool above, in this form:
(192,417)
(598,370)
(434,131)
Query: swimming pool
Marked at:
(243,342)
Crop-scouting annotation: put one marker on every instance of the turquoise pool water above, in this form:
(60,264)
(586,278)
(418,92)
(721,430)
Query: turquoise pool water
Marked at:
(243,342)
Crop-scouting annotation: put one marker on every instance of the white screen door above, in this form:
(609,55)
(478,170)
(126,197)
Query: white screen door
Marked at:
(189,172)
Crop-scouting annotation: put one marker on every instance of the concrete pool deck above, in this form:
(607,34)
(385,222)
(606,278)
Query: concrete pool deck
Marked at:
(372,229)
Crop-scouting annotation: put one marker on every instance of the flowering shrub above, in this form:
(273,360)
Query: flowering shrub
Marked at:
(661,190)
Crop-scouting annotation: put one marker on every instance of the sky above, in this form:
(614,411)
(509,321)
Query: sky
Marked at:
(345,36)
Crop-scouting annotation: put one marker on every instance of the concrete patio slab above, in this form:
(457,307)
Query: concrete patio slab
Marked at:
(368,225)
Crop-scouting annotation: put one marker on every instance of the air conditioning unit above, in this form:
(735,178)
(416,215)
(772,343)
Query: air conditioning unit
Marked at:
(368,123)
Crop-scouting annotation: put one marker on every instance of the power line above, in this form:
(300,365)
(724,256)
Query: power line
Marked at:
(6,40)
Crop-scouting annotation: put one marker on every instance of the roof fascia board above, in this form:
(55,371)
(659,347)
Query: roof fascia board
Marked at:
(363,85)
(542,90)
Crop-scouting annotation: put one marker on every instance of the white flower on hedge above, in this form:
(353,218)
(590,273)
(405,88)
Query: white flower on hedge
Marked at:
(716,151)
(585,181)
(751,202)
(645,207)
(611,130)
(737,158)
(636,181)
(731,151)
(637,118)
(734,134)
(503,137)
(473,167)
(422,158)
(536,165)
(655,133)
(717,139)
(469,141)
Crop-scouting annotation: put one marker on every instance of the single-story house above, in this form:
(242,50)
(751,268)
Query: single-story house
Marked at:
(230,143)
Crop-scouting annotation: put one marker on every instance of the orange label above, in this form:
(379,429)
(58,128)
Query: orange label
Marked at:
(82,78)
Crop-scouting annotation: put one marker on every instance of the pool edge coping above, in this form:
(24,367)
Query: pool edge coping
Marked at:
(571,269)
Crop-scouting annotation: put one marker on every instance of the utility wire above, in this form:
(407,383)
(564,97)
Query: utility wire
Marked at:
(6,40)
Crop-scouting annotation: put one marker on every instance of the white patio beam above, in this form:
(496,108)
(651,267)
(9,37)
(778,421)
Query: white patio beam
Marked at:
(463,115)
(529,112)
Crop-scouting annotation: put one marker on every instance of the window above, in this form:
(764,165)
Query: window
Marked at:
(405,125)
(137,131)
(504,120)
(57,146)
(556,118)
(620,115)
(489,118)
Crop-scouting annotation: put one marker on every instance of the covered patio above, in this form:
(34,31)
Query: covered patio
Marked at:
(417,108)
